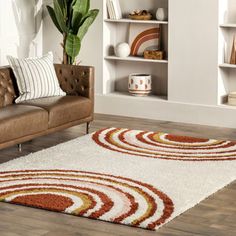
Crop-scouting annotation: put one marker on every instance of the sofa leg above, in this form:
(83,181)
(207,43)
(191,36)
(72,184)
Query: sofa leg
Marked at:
(19,147)
(87,127)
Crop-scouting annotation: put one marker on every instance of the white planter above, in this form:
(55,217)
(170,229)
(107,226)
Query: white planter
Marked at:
(162,14)
(122,50)
(140,84)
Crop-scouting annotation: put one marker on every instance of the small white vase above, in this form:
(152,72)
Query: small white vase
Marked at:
(162,14)
(122,50)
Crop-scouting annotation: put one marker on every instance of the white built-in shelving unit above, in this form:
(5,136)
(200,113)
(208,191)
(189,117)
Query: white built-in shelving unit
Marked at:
(116,70)
(227,31)
(192,83)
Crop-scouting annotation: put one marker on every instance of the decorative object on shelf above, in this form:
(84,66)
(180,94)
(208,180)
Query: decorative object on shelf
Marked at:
(72,19)
(162,14)
(144,37)
(122,50)
(154,54)
(232,99)
(140,15)
(114,10)
(233,52)
(140,84)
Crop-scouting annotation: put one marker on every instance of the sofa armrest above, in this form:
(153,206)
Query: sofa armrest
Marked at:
(76,80)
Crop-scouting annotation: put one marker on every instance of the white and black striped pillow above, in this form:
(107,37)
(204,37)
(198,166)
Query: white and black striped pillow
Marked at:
(36,77)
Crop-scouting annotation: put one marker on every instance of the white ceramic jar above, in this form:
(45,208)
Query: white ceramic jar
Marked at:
(162,14)
(122,50)
(140,84)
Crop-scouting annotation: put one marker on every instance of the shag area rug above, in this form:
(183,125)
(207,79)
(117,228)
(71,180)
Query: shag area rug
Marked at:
(131,177)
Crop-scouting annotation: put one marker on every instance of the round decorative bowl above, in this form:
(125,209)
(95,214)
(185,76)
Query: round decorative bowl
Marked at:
(140,17)
(140,84)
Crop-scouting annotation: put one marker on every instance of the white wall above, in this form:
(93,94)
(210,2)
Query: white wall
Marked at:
(91,50)
(193,51)
(20,29)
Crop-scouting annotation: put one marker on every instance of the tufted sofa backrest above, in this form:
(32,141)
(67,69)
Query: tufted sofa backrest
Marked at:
(8,88)
(74,80)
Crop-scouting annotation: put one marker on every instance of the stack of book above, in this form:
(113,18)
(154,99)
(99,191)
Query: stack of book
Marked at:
(232,99)
(114,10)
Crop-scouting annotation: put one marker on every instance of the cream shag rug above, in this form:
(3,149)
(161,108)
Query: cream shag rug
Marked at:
(131,177)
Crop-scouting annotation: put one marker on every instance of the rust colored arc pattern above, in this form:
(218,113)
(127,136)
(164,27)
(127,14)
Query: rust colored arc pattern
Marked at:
(94,195)
(164,146)
(150,34)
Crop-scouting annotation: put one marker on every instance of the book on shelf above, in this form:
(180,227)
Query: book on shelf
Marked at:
(114,10)
(109,9)
(117,8)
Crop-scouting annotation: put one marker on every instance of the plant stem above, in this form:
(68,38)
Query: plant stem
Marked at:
(65,56)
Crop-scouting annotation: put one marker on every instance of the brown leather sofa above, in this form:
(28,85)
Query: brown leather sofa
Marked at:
(25,121)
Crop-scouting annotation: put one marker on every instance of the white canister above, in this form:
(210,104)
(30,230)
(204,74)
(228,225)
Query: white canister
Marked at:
(140,84)
(122,50)
(162,14)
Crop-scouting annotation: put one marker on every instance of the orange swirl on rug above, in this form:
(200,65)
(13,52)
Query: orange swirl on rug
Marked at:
(164,146)
(95,195)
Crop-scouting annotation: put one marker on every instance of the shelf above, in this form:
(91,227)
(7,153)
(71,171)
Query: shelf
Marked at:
(127,95)
(136,59)
(228,25)
(137,21)
(227,106)
(227,65)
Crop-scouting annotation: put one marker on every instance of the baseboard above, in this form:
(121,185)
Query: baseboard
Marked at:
(219,115)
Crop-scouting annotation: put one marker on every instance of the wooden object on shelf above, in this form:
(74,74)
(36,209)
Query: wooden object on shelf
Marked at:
(140,15)
(154,54)
(233,53)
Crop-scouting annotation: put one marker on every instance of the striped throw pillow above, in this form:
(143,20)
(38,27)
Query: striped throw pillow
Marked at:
(36,77)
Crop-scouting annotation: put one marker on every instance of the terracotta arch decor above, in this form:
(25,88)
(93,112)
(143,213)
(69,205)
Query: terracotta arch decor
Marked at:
(144,37)
(130,177)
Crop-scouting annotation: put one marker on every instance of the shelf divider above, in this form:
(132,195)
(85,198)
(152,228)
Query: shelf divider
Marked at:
(137,21)
(227,65)
(137,59)
(228,25)
(127,95)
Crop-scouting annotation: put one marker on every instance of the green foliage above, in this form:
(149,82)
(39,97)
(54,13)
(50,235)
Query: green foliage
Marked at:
(73,19)
(73,45)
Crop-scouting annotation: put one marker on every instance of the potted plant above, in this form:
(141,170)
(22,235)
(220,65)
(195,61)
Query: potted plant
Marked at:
(73,19)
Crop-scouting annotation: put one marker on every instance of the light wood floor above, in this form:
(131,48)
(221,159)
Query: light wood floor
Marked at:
(215,216)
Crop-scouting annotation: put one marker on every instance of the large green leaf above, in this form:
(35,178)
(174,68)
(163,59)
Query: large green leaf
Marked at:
(53,17)
(63,6)
(87,22)
(76,19)
(59,16)
(81,6)
(73,45)
(80,13)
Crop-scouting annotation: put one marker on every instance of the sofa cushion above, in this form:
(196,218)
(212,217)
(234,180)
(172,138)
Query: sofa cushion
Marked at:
(36,77)
(63,109)
(17,121)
